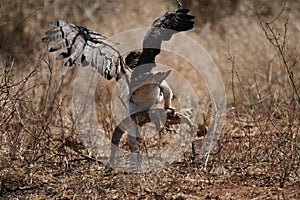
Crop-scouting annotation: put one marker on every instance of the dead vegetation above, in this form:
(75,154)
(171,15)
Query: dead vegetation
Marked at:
(255,45)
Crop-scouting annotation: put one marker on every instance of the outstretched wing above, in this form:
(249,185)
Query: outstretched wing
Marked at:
(84,47)
(162,30)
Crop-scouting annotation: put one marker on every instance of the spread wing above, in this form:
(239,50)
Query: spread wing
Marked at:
(162,30)
(84,47)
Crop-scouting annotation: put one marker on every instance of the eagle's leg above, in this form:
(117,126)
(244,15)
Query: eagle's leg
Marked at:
(133,134)
(168,95)
(115,143)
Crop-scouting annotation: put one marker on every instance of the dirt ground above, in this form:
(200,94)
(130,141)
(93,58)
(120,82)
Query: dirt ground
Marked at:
(255,46)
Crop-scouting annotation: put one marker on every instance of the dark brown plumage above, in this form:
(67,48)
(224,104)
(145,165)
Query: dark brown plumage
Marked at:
(84,47)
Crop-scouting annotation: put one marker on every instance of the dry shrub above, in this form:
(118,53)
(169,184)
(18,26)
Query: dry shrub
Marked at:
(261,139)
(41,155)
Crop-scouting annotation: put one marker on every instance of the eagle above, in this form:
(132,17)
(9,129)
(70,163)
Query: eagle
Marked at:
(146,85)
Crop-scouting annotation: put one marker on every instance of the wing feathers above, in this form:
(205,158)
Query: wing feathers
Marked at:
(64,54)
(60,45)
(84,47)
(59,24)
(162,30)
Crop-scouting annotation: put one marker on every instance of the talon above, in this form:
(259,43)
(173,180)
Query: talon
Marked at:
(171,110)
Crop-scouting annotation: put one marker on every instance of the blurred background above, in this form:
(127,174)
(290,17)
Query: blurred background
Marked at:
(222,28)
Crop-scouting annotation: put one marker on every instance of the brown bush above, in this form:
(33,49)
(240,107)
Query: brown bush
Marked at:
(255,46)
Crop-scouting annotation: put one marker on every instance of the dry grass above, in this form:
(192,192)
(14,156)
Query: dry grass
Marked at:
(254,44)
